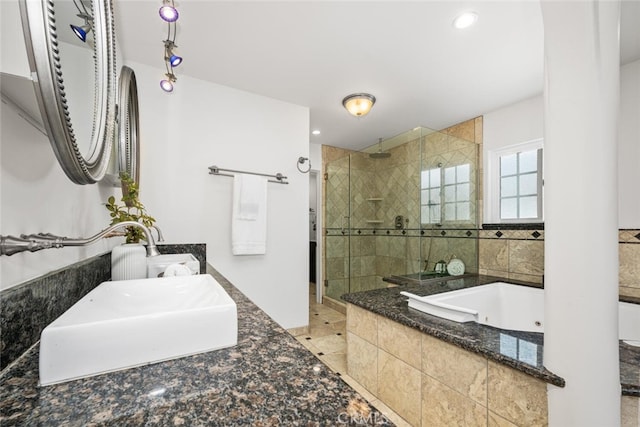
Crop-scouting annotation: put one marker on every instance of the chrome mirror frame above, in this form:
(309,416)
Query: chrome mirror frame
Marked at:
(41,38)
(128,145)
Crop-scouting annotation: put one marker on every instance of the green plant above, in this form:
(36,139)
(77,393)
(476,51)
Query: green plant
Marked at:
(131,210)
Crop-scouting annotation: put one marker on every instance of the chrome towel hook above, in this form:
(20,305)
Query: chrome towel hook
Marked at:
(301,161)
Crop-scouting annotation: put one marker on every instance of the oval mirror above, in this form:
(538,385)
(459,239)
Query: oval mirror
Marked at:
(128,130)
(71,50)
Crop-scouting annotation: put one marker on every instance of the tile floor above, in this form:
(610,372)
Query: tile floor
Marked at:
(327,340)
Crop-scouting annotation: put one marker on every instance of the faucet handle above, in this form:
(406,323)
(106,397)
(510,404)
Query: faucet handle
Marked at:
(10,245)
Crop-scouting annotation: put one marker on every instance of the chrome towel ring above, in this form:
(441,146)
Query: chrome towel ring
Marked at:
(301,161)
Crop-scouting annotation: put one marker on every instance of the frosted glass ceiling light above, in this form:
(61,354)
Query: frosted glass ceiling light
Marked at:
(359,104)
(465,20)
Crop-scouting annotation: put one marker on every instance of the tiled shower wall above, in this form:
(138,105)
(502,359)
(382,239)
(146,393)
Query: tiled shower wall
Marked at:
(380,190)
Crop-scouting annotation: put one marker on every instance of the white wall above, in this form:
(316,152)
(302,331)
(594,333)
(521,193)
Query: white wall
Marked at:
(514,124)
(36,196)
(629,146)
(202,124)
(315,156)
(523,121)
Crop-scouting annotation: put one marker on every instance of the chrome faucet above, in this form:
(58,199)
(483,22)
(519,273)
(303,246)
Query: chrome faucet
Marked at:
(160,236)
(10,245)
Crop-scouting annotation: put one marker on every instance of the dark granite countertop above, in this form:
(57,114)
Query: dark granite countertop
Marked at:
(519,350)
(267,379)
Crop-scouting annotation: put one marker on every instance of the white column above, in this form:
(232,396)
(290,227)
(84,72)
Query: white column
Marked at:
(581,96)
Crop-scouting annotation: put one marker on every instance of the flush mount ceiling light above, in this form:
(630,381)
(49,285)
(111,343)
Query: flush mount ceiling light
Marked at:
(169,14)
(465,20)
(359,104)
(81,31)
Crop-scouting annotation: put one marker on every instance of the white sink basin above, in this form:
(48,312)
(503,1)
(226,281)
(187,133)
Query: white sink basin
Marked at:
(156,265)
(123,324)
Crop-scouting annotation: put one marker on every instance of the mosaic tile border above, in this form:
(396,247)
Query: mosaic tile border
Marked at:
(518,226)
(455,233)
(504,234)
(627,235)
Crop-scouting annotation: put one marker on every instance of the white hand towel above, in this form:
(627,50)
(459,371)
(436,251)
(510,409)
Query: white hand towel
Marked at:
(249,218)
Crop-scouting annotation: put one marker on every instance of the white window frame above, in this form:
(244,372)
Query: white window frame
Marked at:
(441,170)
(492,198)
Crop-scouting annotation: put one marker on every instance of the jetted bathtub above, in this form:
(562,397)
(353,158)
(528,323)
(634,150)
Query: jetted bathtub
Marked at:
(507,306)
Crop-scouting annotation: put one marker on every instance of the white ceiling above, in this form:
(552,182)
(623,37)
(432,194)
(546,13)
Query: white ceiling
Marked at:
(422,71)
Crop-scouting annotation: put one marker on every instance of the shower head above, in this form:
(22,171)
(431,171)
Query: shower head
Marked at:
(379,154)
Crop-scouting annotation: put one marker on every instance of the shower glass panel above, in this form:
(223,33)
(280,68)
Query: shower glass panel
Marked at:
(336,213)
(399,207)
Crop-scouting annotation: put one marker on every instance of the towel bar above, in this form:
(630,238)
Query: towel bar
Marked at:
(279,178)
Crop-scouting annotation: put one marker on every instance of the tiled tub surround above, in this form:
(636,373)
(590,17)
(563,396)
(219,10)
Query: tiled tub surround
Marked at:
(517,252)
(267,379)
(432,371)
(27,308)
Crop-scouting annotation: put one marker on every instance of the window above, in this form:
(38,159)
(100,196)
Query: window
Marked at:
(516,175)
(445,194)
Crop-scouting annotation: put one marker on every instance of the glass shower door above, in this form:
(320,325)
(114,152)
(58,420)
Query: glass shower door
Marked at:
(337,228)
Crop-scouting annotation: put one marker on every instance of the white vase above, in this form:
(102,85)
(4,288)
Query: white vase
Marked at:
(128,261)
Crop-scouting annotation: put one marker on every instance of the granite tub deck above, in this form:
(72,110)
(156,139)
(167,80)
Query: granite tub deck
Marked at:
(490,342)
(267,379)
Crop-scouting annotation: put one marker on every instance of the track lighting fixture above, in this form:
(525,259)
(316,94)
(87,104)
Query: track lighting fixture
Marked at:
(169,13)
(81,31)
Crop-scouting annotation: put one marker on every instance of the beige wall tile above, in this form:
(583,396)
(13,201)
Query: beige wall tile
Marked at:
(399,386)
(362,323)
(465,130)
(629,292)
(629,265)
(362,362)
(401,341)
(526,277)
(630,411)
(526,257)
(496,273)
(496,420)
(390,414)
(517,397)
(493,254)
(479,123)
(463,371)
(443,406)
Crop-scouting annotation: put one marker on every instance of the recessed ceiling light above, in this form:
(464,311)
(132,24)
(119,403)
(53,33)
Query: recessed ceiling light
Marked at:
(316,132)
(465,20)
